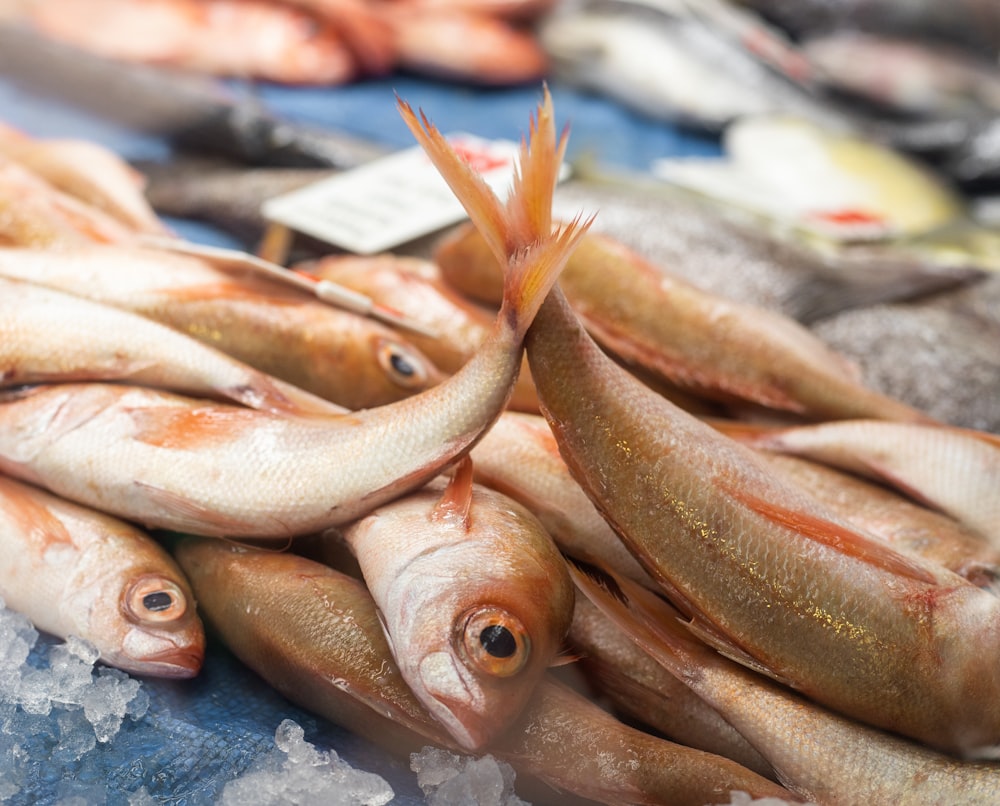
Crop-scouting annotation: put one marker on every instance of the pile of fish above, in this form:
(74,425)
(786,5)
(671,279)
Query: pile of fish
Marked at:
(576,467)
(918,75)
(304,42)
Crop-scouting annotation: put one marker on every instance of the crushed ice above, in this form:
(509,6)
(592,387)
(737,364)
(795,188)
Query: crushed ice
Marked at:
(295,772)
(447,779)
(69,683)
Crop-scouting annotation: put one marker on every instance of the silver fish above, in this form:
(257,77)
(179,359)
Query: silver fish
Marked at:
(667,63)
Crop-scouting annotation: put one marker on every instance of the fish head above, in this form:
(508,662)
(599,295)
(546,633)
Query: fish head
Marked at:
(488,618)
(141,616)
(164,636)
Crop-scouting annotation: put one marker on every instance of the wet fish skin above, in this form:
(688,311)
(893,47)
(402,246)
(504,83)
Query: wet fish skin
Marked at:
(349,359)
(818,754)
(414,286)
(704,343)
(40,343)
(639,687)
(950,469)
(464,46)
(519,457)
(223,193)
(87,171)
(474,596)
(329,654)
(76,571)
(716,531)
(904,524)
(221,37)
(37,215)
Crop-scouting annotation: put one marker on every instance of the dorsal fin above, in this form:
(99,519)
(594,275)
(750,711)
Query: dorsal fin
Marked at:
(456,500)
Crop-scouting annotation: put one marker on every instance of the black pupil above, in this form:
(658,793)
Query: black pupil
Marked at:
(401,364)
(157,601)
(498,641)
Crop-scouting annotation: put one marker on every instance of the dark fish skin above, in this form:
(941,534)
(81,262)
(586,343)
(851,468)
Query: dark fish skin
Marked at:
(974,23)
(226,194)
(735,257)
(938,354)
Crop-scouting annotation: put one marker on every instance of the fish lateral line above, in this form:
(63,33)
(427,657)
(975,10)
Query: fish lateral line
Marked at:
(836,536)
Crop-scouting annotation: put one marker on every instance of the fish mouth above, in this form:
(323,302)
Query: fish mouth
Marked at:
(453,701)
(171,663)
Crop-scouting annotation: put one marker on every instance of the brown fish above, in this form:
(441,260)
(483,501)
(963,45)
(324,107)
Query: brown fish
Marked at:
(701,342)
(315,635)
(344,357)
(414,287)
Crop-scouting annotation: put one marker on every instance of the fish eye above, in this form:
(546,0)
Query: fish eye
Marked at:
(403,366)
(155,599)
(495,641)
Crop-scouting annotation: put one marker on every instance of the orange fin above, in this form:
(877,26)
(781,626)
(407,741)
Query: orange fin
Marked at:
(837,536)
(456,500)
(519,233)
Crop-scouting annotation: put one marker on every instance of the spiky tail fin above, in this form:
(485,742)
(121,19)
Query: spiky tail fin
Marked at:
(519,231)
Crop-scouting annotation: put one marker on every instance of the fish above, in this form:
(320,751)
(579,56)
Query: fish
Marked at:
(894,518)
(949,469)
(820,755)
(348,359)
(729,252)
(237,38)
(910,77)
(464,46)
(519,457)
(414,287)
(90,172)
(640,688)
(37,215)
(223,193)
(314,634)
(974,24)
(734,548)
(75,571)
(189,112)
(704,343)
(663,61)
(186,465)
(363,28)
(935,353)
(474,597)
(40,343)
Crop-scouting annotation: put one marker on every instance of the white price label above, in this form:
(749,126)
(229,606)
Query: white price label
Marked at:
(392,200)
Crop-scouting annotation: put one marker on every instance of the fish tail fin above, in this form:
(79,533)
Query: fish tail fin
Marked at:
(519,231)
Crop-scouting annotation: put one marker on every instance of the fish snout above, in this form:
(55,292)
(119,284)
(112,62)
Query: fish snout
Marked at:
(178,655)
(455,700)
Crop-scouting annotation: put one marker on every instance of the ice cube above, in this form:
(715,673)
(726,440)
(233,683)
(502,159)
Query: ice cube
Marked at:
(296,773)
(447,779)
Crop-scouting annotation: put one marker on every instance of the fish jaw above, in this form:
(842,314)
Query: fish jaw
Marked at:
(453,699)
